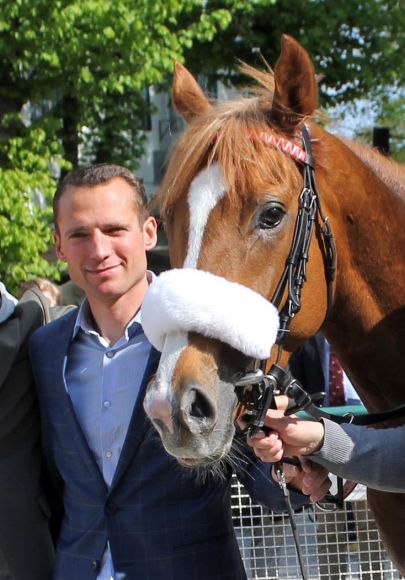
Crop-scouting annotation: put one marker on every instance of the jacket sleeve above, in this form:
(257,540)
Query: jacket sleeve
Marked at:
(373,457)
(7,303)
(51,480)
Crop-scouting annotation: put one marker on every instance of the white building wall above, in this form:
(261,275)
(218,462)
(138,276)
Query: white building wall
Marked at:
(166,126)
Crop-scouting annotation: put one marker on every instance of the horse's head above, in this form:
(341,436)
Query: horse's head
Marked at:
(230,199)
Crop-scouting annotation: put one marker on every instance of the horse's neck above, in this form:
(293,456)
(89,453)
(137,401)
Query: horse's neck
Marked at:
(367,324)
(368,215)
(390,172)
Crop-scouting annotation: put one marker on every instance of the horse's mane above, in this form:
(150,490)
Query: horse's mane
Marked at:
(388,170)
(222,134)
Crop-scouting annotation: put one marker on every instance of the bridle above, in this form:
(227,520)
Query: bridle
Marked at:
(295,271)
(278,380)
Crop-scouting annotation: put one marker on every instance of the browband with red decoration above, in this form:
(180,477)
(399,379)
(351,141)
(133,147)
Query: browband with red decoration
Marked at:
(280,143)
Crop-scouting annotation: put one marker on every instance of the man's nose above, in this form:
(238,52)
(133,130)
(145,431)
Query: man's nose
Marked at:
(99,246)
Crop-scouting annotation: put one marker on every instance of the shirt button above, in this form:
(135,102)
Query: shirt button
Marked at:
(110,354)
(94,565)
(107,404)
(108,454)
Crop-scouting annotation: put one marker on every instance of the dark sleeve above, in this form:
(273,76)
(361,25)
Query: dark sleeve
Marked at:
(53,488)
(257,478)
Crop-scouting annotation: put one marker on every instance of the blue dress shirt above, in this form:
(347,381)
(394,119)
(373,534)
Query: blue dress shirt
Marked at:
(103,383)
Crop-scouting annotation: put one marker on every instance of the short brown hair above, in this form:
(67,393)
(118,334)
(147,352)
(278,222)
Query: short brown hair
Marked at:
(99,174)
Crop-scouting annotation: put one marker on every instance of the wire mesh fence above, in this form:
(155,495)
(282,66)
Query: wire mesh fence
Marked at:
(342,544)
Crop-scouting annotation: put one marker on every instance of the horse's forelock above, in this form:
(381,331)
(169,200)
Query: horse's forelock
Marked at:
(223,134)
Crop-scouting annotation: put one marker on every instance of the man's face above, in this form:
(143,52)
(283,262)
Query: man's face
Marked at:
(100,238)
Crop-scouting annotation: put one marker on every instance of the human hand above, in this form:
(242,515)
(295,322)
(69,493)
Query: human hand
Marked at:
(288,437)
(293,437)
(307,477)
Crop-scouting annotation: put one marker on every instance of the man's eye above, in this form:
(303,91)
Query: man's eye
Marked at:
(78,235)
(271,217)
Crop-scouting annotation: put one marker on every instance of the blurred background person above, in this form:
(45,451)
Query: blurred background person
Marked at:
(48,288)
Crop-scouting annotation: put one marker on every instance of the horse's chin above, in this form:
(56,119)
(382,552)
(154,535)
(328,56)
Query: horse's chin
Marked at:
(197,463)
(201,452)
(212,460)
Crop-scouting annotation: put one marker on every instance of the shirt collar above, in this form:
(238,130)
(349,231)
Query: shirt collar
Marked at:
(85,322)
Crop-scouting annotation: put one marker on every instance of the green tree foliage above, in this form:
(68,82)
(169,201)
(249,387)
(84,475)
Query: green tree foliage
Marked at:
(74,72)
(71,69)
(357,45)
(26,188)
(86,63)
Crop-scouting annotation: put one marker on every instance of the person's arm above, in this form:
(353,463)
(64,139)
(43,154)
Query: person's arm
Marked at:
(373,457)
(7,303)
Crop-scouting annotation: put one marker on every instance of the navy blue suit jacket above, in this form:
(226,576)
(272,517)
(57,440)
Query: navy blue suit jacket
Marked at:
(162,521)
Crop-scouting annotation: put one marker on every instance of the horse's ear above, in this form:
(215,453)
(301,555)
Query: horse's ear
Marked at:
(188,97)
(295,86)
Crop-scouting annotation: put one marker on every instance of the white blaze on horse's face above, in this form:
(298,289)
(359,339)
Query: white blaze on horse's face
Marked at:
(206,190)
(158,400)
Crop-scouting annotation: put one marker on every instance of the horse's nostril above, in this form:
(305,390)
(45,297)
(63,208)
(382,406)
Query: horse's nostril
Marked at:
(197,409)
(200,407)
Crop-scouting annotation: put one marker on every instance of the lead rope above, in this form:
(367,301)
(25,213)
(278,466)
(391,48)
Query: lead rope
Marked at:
(280,381)
(267,386)
(278,468)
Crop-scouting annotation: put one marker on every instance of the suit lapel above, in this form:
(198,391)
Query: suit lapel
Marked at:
(74,430)
(137,425)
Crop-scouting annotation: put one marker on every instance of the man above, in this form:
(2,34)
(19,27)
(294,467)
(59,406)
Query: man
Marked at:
(26,549)
(128,509)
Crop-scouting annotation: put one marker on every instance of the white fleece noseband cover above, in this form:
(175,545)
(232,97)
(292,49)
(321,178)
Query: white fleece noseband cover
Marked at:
(190,300)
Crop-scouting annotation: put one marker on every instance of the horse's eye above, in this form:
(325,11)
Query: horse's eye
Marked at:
(270,217)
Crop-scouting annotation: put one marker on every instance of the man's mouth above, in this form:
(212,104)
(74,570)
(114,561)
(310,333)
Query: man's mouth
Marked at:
(105,270)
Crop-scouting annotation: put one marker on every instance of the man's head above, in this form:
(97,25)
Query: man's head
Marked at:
(98,175)
(103,230)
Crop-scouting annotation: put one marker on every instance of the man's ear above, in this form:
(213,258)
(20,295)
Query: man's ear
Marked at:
(150,233)
(58,246)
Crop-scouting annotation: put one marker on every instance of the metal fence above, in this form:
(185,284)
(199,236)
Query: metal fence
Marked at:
(342,544)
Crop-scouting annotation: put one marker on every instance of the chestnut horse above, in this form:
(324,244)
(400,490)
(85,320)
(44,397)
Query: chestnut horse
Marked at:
(230,199)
